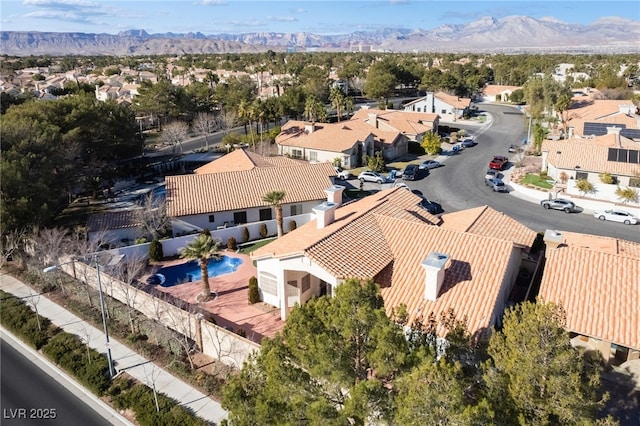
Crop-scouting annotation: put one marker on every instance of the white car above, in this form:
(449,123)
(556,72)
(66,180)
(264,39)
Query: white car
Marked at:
(616,215)
(342,174)
(371,177)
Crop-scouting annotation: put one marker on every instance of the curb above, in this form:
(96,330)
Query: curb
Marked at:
(65,380)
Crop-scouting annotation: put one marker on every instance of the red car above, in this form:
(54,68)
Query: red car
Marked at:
(498,163)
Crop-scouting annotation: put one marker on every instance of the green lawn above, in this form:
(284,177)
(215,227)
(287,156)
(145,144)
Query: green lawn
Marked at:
(535,179)
(248,249)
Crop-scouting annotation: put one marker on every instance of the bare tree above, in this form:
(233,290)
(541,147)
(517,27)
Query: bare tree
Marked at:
(175,133)
(152,216)
(49,244)
(227,120)
(78,245)
(181,320)
(33,299)
(86,335)
(127,272)
(12,246)
(204,124)
(152,378)
(227,346)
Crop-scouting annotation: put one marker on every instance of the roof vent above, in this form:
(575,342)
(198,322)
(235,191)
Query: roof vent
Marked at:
(434,267)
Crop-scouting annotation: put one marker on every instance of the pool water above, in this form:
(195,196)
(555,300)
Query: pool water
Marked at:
(190,271)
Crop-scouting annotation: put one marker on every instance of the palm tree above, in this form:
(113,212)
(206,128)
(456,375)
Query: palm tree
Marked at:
(202,248)
(274,198)
(337,100)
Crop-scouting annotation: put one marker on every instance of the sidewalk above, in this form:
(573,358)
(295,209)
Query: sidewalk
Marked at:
(125,359)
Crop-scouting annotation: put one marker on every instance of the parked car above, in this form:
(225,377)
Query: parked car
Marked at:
(399,184)
(431,206)
(513,148)
(467,143)
(342,174)
(616,215)
(429,164)
(559,204)
(412,172)
(496,184)
(491,174)
(371,177)
(498,162)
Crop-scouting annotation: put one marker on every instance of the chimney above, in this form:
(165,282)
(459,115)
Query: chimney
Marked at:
(434,274)
(309,128)
(325,214)
(552,238)
(373,119)
(615,131)
(334,194)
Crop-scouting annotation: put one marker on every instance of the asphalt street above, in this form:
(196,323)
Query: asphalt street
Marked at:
(459,183)
(32,393)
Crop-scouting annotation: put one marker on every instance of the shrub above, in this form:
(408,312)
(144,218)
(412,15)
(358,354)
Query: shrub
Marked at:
(155,251)
(245,234)
(453,137)
(254,293)
(263,230)
(292,225)
(584,186)
(18,317)
(627,194)
(564,177)
(606,178)
(89,366)
(232,244)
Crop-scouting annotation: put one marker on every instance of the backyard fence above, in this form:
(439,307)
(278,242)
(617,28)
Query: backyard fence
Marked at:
(212,340)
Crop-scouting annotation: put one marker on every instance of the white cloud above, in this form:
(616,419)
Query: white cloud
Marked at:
(282,18)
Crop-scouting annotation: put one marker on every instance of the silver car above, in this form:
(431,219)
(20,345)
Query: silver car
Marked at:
(566,206)
(371,177)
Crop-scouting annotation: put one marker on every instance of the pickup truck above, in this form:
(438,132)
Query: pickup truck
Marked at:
(498,163)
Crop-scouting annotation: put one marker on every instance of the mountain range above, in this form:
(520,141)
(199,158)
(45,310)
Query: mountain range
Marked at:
(512,34)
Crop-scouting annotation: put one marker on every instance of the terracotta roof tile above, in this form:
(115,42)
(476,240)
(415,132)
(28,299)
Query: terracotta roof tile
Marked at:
(600,243)
(600,110)
(216,192)
(604,305)
(590,154)
(486,221)
(454,101)
(336,137)
(406,122)
(496,89)
(387,236)
(240,159)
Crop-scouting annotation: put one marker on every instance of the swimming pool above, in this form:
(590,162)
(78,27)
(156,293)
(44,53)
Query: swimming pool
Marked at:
(190,271)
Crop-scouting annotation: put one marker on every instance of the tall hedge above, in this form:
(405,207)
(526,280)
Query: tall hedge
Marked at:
(155,251)
(254,293)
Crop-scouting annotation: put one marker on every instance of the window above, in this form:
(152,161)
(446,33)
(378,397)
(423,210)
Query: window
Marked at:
(313,156)
(296,153)
(419,109)
(296,209)
(212,218)
(582,175)
(443,111)
(240,217)
(265,214)
(306,283)
(268,283)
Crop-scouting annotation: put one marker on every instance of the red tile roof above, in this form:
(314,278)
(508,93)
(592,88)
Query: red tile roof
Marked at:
(337,137)
(241,159)
(598,285)
(387,236)
(216,192)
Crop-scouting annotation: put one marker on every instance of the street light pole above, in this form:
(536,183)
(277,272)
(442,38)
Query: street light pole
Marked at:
(102,310)
(104,321)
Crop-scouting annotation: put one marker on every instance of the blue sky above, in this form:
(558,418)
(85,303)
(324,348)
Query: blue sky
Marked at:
(318,16)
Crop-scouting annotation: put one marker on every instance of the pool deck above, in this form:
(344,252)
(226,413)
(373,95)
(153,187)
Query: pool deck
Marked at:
(231,309)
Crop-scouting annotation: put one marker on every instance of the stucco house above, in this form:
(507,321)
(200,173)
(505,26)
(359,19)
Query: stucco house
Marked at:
(497,93)
(567,161)
(228,191)
(428,264)
(411,124)
(324,142)
(590,117)
(448,107)
(602,310)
